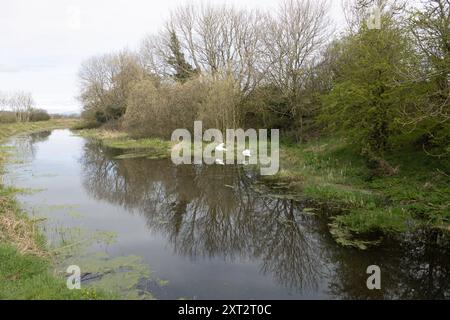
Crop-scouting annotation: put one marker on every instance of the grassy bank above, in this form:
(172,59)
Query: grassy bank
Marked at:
(416,193)
(151,148)
(25,265)
(10,129)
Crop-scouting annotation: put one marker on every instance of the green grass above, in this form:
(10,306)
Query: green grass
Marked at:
(133,144)
(24,262)
(28,277)
(332,171)
(152,148)
(11,129)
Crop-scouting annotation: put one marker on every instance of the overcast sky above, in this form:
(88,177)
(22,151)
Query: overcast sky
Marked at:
(44,42)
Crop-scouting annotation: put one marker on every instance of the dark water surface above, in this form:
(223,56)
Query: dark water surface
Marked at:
(208,233)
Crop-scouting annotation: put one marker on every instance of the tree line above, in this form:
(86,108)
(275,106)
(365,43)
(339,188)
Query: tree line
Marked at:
(286,69)
(20,107)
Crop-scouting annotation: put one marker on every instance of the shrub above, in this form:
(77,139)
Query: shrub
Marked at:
(7,117)
(155,111)
(219,109)
(39,115)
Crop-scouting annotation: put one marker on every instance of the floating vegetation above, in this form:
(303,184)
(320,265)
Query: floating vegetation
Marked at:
(309,211)
(104,273)
(30,191)
(162,283)
(70,241)
(50,210)
(137,155)
(100,272)
(75,214)
(276,193)
(156,156)
(131,156)
(345,238)
(55,207)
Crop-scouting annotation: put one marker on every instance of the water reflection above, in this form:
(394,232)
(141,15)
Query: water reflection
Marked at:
(201,218)
(211,211)
(415,267)
(26,145)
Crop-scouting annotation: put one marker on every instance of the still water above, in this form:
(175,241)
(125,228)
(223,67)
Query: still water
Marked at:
(207,232)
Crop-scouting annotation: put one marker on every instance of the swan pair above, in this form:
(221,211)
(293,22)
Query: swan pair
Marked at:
(221,148)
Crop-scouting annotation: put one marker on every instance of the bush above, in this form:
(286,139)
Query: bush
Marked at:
(220,109)
(7,117)
(156,110)
(39,115)
(86,124)
(267,107)
(144,109)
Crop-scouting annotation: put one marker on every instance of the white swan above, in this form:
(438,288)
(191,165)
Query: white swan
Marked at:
(221,148)
(219,161)
(246,153)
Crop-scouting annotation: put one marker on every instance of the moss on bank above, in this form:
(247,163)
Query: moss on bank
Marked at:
(24,262)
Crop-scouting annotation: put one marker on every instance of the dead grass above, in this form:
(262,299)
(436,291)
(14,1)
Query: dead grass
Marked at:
(17,229)
(102,134)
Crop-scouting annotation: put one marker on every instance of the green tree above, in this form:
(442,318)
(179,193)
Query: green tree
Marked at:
(367,80)
(183,70)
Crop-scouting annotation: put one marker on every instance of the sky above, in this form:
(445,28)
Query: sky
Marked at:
(43,43)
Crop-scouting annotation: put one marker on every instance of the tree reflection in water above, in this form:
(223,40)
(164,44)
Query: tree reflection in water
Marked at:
(25,145)
(211,211)
(415,267)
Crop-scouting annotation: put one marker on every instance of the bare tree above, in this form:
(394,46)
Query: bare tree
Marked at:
(430,31)
(293,40)
(154,54)
(3,101)
(218,41)
(21,103)
(105,82)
